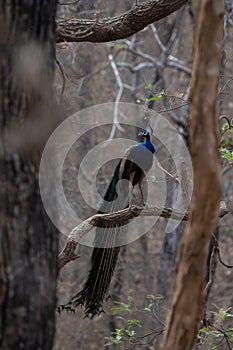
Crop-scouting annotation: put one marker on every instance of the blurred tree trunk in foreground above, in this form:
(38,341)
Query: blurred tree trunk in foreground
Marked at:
(188,299)
(29,243)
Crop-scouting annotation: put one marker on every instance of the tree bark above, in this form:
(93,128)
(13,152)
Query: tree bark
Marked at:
(188,300)
(28,242)
(105,220)
(115,28)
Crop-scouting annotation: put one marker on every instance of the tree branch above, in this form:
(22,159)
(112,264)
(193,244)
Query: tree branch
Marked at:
(115,28)
(119,217)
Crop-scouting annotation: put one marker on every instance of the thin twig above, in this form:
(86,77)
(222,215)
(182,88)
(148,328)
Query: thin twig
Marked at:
(172,109)
(116,124)
(63,78)
(167,172)
(211,279)
(156,36)
(184,185)
(224,333)
(156,334)
(216,245)
(226,83)
(68,3)
(230,123)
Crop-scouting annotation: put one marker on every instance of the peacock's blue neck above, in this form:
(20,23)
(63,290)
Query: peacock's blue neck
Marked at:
(148,145)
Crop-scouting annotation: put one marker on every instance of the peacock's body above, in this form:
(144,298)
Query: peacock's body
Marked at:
(133,167)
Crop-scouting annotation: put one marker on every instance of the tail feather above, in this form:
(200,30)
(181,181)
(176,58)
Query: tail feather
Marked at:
(97,285)
(103,260)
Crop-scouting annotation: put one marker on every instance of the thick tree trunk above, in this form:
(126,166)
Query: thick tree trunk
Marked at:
(188,300)
(28,242)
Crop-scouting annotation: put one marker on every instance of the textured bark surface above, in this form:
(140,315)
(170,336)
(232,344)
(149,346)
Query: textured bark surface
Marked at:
(120,27)
(28,242)
(68,253)
(188,300)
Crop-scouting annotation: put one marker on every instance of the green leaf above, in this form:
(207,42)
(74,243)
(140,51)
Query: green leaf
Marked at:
(205,330)
(226,154)
(117,340)
(118,332)
(225,126)
(148,308)
(221,312)
(155,97)
(135,322)
(122,306)
(116,310)
(113,341)
(149,86)
(131,333)
(155,296)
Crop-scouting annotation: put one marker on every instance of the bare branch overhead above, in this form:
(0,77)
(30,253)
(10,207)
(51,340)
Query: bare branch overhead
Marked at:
(119,27)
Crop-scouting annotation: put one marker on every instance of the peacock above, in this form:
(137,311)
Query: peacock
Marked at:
(130,170)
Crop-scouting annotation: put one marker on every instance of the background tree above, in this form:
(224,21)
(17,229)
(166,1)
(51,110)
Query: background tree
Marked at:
(29,243)
(188,300)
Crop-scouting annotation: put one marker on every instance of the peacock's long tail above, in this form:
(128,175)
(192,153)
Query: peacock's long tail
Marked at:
(103,260)
(96,287)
